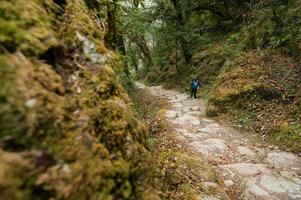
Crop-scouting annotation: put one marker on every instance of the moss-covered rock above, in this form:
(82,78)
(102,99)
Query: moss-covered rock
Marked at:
(67,130)
(26,26)
(31,98)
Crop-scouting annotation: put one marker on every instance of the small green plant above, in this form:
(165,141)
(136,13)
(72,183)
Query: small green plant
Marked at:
(286,136)
(279,41)
(244,119)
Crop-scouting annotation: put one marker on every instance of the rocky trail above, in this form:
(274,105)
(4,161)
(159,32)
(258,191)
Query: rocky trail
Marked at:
(259,170)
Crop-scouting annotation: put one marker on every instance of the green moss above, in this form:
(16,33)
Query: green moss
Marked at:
(245,119)
(31,101)
(93,132)
(25,26)
(287,137)
(182,166)
(77,18)
(72,128)
(10,184)
(189,192)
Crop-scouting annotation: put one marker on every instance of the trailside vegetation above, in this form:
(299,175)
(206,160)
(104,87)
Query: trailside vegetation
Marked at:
(246,54)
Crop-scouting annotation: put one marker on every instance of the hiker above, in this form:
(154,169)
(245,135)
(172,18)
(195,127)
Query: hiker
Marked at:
(195,85)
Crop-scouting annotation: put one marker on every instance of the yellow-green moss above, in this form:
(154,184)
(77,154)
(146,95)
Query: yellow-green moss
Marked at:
(25,26)
(72,126)
(78,18)
(182,162)
(10,184)
(31,98)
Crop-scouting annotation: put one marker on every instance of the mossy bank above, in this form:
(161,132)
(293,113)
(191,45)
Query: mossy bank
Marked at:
(67,130)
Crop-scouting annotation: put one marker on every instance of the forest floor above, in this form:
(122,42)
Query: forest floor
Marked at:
(243,162)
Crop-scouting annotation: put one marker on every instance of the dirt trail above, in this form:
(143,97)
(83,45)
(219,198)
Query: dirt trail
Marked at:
(260,171)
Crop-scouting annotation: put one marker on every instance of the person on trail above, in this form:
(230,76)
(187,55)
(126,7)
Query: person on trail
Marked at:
(195,85)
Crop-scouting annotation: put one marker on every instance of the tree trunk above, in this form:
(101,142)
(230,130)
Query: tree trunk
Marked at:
(140,41)
(182,24)
(111,35)
(114,38)
(121,49)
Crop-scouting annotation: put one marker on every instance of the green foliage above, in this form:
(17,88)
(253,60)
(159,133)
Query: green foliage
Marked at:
(245,119)
(191,27)
(279,41)
(286,136)
(276,26)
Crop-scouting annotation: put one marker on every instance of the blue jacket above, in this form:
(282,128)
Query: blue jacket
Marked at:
(195,85)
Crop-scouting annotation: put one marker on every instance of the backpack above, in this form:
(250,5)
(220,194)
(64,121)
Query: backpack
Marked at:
(195,85)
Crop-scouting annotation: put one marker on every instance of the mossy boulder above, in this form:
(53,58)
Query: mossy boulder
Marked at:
(67,129)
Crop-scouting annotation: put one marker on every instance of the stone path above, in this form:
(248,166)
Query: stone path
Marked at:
(261,171)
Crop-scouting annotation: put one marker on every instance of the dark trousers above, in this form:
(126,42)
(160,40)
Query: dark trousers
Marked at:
(193,93)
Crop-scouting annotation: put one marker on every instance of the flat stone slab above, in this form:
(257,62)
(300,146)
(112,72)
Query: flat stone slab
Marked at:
(245,151)
(195,113)
(210,145)
(219,144)
(281,186)
(201,148)
(205,120)
(254,192)
(171,114)
(191,108)
(202,135)
(283,159)
(177,105)
(187,134)
(245,169)
(211,128)
(174,100)
(187,120)
(181,96)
